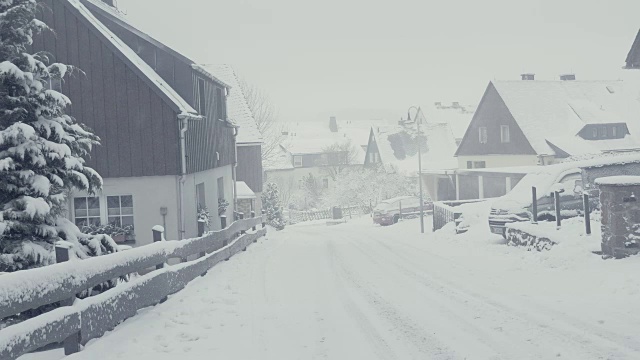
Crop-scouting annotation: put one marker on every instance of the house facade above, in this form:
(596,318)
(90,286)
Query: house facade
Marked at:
(530,122)
(167,149)
(248,170)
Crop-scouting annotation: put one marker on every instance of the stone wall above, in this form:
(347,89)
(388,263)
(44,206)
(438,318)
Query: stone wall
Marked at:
(620,216)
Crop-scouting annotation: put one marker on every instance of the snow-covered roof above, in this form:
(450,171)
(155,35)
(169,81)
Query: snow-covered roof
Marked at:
(440,142)
(458,118)
(281,160)
(237,107)
(132,58)
(243,191)
(560,109)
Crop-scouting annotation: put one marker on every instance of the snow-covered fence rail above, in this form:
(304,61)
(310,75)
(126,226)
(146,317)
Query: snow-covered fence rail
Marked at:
(90,318)
(445,212)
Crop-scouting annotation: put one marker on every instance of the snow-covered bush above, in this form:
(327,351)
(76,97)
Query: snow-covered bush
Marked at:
(41,150)
(271,204)
(204,216)
(223,204)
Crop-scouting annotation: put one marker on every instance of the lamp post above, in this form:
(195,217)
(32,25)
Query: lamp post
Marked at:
(419,165)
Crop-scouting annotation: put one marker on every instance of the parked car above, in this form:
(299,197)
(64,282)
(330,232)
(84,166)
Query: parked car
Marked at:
(390,211)
(517,205)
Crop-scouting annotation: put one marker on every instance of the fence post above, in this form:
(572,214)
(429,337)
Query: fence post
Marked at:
(557,205)
(534,204)
(241,216)
(72,343)
(253,216)
(263,218)
(587,213)
(157,236)
(223,221)
(201,225)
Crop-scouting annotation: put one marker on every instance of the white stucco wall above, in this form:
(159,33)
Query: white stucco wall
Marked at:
(210,180)
(152,193)
(149,195)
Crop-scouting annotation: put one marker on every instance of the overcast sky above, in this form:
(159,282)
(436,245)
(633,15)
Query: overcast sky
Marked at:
(364,58)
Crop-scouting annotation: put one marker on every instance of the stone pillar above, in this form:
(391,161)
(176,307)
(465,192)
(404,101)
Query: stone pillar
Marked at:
(620,215)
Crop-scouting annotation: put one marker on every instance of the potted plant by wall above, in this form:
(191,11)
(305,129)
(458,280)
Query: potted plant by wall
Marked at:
(222,206)
(205,217)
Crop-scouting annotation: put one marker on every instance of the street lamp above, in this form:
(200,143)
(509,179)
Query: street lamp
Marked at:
(418,111)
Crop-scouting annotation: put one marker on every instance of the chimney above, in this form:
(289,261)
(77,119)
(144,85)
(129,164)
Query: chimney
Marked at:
(567,77)
(455,105)
(528,76)
(438,104)
(333,124)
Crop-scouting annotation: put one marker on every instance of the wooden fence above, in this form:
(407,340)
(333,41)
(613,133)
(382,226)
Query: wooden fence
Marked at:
(445,212)
(86,319)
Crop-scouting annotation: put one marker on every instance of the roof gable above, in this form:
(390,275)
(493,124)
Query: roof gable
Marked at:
(126,54)
(633,58)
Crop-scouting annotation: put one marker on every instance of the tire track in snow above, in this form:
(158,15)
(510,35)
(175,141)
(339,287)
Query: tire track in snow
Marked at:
(378,344)
(621,340)
(425,343)
(546,327)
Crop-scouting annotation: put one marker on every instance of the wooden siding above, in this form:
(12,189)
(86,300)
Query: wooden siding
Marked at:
(138,130)
(249,167)
(491,113)
(206,139)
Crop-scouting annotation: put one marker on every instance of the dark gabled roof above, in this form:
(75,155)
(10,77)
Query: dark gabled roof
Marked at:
(118,18)
(139,66)
(633,58)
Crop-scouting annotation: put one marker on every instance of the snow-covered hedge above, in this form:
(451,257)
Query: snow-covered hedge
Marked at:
(544,235)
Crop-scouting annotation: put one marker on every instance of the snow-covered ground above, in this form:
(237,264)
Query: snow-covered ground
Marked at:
(359,291)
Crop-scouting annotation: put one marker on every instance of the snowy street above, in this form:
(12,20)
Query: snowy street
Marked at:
(360,291)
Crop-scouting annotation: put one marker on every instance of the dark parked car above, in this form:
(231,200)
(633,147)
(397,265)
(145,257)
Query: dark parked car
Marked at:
(390,211)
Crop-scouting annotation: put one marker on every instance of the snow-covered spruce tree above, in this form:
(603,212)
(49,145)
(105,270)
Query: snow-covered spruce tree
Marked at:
(41,150)
(271,203)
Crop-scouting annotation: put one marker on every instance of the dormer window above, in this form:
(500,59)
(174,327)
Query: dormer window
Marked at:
(602,132)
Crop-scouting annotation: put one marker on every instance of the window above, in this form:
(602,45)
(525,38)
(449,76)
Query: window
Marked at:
(221,188)
(594,133)
(53,84)
(476,164)
(614,132)
(325,183)
(297,161)
(200,197)
(504,134)
(202,98)
(120,210)
(482,132)
(603,132)
(86,211)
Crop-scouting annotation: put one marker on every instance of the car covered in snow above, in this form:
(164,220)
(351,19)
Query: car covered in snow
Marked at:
(390,211)
(517,205)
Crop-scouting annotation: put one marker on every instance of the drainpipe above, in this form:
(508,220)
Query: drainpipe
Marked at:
(184,125)
(235,165)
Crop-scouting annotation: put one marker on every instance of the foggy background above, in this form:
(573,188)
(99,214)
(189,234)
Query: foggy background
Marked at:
(360,59)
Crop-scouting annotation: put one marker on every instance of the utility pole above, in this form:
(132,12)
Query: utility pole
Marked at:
(417,119)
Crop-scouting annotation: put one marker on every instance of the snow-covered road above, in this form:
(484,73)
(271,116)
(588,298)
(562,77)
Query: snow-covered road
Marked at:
(358,291)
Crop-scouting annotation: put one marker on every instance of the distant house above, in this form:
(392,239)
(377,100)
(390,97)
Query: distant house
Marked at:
(167,146)
(396,147)
(633,58)
(322,158)
(533,122)
(248,140)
